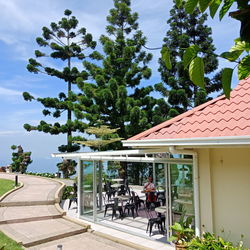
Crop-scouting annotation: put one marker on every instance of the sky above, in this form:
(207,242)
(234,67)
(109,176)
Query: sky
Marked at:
(21,22)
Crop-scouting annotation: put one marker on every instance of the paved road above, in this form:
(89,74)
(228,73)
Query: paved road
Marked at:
(30,217)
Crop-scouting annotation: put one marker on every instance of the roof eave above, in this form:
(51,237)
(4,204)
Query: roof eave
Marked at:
(190,142)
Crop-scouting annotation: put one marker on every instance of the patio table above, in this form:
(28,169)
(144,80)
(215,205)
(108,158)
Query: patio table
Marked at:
(161,209)
(116,185)
(123,198)
(117,180)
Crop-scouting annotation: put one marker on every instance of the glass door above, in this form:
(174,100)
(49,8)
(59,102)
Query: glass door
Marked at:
(87,189)
(181,200)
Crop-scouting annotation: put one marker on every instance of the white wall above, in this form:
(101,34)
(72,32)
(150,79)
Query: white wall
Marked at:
(225,192)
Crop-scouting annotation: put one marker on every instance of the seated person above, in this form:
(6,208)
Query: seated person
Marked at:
(149,189)
(149,186)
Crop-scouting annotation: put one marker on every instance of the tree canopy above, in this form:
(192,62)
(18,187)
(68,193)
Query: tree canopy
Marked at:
(62,42)
(116,95)
(187,30)
(238,53)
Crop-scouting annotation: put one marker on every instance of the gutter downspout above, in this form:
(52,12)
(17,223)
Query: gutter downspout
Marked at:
(173,150)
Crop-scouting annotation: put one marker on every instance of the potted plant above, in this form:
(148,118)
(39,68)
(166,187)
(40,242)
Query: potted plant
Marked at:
(182,233)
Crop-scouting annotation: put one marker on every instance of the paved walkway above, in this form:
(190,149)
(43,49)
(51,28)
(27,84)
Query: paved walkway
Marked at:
(30,216)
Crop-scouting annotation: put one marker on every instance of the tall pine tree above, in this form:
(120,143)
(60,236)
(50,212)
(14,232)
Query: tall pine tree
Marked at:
(116,96)
(186,30)
(63,42)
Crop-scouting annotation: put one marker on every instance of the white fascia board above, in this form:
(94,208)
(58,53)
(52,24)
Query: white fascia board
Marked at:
(207,141)
(138,159)
(109,153)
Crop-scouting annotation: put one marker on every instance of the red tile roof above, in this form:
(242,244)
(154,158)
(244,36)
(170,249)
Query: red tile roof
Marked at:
(216,118)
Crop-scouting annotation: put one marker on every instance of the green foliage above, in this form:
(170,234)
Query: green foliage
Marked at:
(68,192)
(115,96)
(5,186)
(243,15)
(67,167)
(20,159)
(7,243)
(227,74)
(210,241)
(104,136)
(48,175)
(189,54)
(182,231)
(65,42)
(196,71)
(187,31)
(165,54)
(225,8)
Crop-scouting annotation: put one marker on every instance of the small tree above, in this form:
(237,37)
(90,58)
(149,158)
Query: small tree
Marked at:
(20,159)
(103,137)
(67,167)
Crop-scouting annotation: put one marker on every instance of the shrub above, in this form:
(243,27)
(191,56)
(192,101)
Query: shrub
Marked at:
(68,192)
(210,241)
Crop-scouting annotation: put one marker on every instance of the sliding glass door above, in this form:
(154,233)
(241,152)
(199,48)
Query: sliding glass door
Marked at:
(181,202)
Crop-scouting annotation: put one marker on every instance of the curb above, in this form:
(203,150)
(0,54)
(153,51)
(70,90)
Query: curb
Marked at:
(80,223)
(120,241)
(11,191)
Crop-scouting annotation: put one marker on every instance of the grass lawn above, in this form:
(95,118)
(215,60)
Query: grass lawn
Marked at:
(8,244)
(5,186)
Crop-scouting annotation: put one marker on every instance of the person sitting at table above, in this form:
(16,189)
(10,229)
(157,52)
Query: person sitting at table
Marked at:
(149,186)
(149,189)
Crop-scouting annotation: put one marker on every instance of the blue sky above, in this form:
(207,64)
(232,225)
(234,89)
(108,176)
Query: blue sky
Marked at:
(21,23)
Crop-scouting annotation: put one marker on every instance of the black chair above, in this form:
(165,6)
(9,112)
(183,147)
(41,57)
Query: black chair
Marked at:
(108,205)
(158,221)
(131,206)
(127,188)
(155,221)
(109,191)
(137,201)
(121,190)
(117,207)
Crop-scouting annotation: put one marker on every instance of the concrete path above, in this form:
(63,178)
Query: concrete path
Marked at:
(31,217)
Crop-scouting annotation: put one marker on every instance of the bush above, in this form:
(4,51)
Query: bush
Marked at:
(68,193)
(210,241)
(49,175)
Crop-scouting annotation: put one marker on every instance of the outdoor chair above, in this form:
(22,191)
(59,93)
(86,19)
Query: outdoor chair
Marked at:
(158,221)
(155,221)
(137,200)
(109,190)
(127,188)
(116,207)
(121,191)
(108,205)
(131,206)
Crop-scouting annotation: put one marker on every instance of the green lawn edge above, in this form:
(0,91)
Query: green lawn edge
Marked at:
(6,186)
(7,243)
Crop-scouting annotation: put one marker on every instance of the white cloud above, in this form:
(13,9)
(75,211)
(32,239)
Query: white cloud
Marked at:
(9,92)
(12,132)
